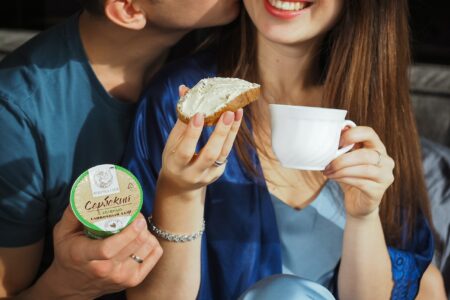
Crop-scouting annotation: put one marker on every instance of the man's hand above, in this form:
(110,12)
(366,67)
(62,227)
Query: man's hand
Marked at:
(86,268)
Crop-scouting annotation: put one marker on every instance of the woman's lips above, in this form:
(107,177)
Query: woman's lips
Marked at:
(286,9)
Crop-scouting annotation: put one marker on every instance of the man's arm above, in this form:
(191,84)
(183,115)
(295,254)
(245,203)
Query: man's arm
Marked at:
(18,267)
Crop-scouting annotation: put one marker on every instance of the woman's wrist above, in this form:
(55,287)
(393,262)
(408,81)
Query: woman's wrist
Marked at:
(368,218)
(173,198)
(177,210)
(172,191)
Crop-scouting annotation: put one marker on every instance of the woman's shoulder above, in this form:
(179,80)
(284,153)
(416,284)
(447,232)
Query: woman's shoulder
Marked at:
(156,112)
(187,71)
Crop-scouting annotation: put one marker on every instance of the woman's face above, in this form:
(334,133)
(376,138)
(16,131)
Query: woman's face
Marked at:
(189,14)
(293,21)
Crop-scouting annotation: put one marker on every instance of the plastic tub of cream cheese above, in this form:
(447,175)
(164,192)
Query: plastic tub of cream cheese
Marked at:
(105,199)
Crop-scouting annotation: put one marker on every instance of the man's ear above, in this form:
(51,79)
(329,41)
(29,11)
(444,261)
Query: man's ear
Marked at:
(125,13)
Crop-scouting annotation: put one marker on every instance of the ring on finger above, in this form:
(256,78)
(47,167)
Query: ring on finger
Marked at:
(136,258)
(219,163)
(379,158)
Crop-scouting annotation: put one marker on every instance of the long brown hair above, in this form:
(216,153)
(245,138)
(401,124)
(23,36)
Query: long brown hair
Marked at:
(365,62)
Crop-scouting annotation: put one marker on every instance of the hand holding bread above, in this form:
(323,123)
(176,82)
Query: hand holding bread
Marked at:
(186,170)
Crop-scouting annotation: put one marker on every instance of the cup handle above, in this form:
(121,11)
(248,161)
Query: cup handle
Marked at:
(345,149)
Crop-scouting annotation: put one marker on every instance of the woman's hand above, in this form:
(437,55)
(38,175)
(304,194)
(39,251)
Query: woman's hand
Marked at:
(364,174)
(187,171)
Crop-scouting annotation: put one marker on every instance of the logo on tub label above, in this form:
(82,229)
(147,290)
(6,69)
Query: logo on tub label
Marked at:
(103,180)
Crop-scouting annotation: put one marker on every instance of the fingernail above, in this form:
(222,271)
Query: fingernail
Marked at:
(238,115)
(180,88)
(198,120)
(228,118)
(140,224)
(327,171)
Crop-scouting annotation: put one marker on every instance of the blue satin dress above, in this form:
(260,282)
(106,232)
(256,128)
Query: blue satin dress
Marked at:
(241,244)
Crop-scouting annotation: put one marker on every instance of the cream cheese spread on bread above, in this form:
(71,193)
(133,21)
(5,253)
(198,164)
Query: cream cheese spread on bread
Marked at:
(212,95)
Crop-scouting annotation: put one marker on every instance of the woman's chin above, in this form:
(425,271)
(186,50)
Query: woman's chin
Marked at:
(283,36)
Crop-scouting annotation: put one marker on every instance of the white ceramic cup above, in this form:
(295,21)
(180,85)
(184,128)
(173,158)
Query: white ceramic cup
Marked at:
(307,138)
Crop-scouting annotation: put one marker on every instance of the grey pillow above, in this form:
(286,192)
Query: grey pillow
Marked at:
(430,94)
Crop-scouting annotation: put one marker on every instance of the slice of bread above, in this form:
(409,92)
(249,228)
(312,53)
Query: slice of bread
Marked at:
(214,96)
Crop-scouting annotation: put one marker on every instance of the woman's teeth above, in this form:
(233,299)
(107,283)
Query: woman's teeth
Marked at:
(284,5)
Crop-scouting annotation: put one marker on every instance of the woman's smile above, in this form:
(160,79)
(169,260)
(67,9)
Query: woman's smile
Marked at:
(286,9)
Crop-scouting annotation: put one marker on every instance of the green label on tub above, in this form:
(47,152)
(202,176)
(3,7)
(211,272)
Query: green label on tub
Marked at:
(106,199)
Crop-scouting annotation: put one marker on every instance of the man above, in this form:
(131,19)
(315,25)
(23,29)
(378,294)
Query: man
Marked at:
(66,104)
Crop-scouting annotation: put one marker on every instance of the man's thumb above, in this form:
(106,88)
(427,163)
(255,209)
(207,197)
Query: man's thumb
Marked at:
(68,224)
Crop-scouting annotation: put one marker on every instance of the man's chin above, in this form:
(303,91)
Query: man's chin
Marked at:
(224,20)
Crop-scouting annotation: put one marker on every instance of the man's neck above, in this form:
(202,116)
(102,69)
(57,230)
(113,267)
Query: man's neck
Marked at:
(124,60)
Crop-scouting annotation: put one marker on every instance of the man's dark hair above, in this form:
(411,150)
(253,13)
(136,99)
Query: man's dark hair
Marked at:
(93,6)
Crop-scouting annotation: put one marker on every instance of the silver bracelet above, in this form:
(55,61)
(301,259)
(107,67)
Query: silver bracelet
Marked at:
(172,237)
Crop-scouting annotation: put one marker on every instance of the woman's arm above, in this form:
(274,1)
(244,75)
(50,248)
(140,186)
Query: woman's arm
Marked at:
(364,175)
(179,204)
(177,274)
(365,270)
(432,285)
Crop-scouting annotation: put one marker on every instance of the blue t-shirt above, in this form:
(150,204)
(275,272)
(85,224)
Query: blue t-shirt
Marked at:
(56,120)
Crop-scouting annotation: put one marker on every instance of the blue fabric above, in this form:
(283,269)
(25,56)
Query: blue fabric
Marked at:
(286,287)
(56,120)
(241,245)
(315,232)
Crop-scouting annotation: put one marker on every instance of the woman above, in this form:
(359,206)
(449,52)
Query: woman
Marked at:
(351,55)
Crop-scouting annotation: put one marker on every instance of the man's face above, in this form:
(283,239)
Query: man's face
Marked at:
(189,14)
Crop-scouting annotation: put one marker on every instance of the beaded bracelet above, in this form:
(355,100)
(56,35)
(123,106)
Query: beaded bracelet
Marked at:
(172,237)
